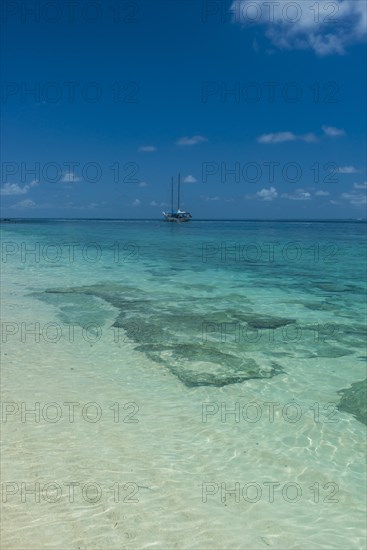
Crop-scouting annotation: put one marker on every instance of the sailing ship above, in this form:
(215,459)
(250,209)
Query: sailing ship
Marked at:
(178,215)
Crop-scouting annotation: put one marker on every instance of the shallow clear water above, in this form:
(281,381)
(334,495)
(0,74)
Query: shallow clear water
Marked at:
(214,354)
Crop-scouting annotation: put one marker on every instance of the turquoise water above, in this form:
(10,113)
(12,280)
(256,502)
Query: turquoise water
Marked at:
(189,321)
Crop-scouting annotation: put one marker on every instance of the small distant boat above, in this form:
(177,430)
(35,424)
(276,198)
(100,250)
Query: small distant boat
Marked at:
(178,215)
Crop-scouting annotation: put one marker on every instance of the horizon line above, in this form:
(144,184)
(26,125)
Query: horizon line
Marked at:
(7,219)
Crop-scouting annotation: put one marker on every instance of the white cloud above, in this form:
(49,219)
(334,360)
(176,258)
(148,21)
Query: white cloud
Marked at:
(360,185)
(355,199)
(147,149)
(282,137)
(347,170)
(331,131)
(34,183)
(209,198)
(325,27)
(298,195)
(267,194)
(279,137)
(153,203)
(27,203)
(136,202)
(143,184)
(308,138)
(14,189)
(190,179)
(191,140)
(322,193)
(70,177)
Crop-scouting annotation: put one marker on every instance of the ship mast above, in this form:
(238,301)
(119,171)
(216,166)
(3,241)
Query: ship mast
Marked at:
(178,197)
(172,196)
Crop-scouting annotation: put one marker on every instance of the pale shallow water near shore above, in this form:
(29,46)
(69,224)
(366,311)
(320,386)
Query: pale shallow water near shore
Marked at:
(182,327)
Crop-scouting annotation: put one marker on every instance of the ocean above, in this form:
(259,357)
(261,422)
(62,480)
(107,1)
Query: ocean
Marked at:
(188,386)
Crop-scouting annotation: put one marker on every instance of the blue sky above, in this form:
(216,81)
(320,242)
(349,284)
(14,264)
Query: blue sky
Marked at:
(260,107)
